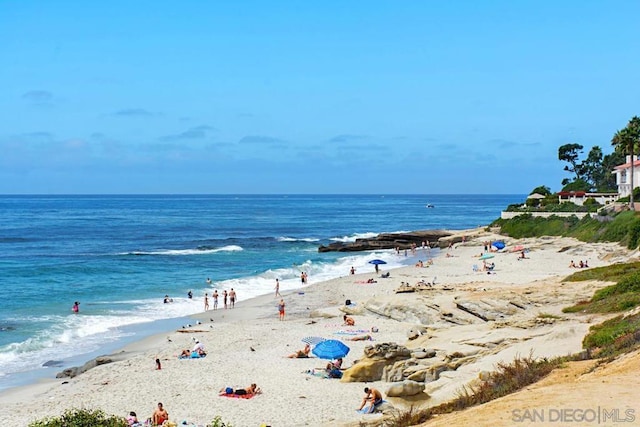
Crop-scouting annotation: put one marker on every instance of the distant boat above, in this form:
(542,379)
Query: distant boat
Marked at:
(430,205)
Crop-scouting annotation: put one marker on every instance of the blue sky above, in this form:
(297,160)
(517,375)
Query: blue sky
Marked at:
(309,97)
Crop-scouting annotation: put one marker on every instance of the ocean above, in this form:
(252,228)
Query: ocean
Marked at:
(120,255)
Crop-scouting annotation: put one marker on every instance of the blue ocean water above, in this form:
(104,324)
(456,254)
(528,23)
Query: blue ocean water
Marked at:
(120,255)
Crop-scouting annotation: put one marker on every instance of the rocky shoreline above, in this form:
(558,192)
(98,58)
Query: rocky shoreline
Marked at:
(432,238)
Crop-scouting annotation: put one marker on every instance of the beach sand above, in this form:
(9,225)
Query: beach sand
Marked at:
(248,344)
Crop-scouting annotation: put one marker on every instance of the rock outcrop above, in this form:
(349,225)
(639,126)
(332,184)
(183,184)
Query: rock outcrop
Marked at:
(390,241)
(77,370)
(377,358)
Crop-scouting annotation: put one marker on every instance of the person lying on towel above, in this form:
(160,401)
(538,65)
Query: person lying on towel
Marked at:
(251,390)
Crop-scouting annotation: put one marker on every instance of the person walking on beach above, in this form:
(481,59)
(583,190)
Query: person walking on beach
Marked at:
(224,298)
(206,302)
(281,309)
(215,299)
(277,289)
(232,298)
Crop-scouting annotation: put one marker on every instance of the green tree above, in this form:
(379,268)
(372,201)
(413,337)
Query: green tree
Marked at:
(577,185)
(626,141)
(608,179)
(543,190)
(569,153)
(592,167)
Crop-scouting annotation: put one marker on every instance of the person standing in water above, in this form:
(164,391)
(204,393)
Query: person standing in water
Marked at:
(76,307)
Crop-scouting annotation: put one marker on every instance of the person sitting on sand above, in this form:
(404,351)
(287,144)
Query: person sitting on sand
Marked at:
(332,371)
(372,399)
(301,354)
(251,390)
(159,416)
(419,263)
(371,281)
(348,321)
(572,264)
(337,363)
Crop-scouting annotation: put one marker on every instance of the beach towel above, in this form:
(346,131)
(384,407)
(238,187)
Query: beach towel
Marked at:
(351,332)
(237,396)
(370,409)
(193,355)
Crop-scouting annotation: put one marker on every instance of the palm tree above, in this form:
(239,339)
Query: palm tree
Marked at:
(626,140)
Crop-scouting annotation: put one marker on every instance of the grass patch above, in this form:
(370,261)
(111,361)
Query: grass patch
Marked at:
(623,295)
(611,273)
(614,336)
(548,316)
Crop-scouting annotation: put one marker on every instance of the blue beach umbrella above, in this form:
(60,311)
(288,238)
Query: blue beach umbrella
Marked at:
(377,262)
(330,349)
(498,245)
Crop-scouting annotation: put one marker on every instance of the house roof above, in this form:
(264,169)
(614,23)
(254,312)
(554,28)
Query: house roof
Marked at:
(628,165)
(535,196)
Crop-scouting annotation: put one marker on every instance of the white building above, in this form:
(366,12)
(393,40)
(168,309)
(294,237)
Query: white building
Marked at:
(623,176)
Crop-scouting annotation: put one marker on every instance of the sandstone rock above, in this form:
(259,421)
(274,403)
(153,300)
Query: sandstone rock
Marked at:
(418,376)
(377,357)
(424,353)
(366,370)
(405,388)
(396,372)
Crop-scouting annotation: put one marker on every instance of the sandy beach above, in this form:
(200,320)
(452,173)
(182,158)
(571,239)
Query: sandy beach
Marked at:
(521,302)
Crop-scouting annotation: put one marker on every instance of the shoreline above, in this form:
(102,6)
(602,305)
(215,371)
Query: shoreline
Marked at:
(248,344)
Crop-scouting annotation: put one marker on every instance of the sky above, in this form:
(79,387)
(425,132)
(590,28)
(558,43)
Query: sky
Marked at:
(330,97)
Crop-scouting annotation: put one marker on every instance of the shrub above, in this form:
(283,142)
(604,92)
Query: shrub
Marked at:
(82,418)
(613,335)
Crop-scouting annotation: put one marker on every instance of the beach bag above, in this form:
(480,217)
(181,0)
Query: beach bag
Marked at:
(347,302)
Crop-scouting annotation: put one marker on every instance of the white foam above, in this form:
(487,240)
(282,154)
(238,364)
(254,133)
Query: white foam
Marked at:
(353,237)
(294,239)
(177,252)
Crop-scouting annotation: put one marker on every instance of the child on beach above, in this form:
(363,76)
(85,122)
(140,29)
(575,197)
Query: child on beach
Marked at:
(281,309)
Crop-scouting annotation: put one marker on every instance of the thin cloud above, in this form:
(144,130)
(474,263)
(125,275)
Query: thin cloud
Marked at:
(134,112)
(260,139)
(38,96)
(198,132)
(347,138)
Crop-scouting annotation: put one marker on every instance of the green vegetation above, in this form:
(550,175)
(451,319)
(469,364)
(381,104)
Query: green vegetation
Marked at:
(82,418)
(97,418)
(613,337)
(508,378)
(623,295)
(217,422)
(623,227)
